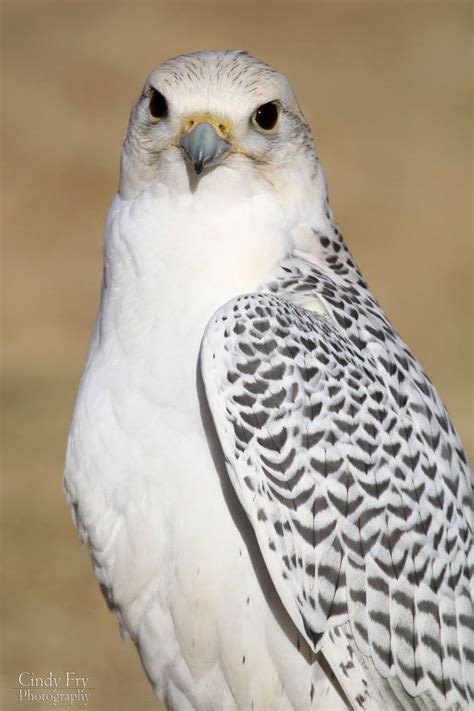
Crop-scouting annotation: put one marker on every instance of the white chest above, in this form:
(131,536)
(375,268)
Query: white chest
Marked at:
(171,259)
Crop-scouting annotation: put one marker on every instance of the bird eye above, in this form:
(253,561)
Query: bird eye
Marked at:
(266,116)
(158,106)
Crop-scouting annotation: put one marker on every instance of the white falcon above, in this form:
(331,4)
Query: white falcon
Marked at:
(277,505)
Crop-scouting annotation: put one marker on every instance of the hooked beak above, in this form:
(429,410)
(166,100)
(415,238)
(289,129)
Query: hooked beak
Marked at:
(203,146)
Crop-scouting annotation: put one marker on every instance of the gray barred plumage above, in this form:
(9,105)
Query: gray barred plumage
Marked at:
(350,471)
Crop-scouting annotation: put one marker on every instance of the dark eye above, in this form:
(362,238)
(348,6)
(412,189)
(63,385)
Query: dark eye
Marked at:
(158,106)
(266,116)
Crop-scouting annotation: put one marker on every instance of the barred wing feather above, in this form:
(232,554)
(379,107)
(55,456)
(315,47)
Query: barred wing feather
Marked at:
(356,488)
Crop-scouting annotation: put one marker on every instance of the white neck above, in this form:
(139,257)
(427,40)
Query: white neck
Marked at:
(173,255)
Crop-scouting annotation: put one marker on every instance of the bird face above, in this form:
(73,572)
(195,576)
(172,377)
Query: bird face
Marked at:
(213,110)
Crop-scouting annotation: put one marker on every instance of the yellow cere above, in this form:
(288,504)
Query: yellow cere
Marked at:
(222,127)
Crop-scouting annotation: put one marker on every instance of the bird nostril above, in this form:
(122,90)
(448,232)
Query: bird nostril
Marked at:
(221,127)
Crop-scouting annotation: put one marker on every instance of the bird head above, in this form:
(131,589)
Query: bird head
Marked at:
(218,111)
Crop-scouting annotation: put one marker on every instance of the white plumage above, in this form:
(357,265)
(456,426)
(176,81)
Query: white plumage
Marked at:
(347,469)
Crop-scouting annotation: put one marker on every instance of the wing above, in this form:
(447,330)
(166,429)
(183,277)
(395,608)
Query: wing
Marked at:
(351,474)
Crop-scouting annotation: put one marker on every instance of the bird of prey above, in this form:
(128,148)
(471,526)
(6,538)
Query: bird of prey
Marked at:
(277,505)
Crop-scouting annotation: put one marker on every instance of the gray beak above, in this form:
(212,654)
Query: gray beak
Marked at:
(203,146)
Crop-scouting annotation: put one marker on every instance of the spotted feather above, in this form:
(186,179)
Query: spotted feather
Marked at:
(351,473)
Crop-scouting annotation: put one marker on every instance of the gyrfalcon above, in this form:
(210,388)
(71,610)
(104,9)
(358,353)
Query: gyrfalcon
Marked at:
(276,502)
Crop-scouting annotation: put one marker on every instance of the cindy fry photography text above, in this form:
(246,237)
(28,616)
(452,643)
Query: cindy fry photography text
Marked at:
(67,688)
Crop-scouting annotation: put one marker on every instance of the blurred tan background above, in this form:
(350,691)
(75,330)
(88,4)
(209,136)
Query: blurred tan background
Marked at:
(385,86)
